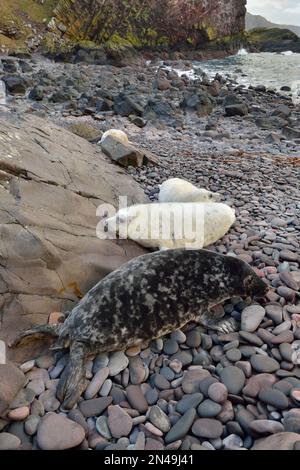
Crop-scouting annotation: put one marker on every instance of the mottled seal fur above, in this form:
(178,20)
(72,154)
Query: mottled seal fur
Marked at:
(179,190)
(146,298)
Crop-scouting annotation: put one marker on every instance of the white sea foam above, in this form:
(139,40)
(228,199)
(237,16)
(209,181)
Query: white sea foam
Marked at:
(243,51)
(287,53)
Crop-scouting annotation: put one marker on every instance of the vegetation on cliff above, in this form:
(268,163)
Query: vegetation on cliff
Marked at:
(23,20)
(273,39)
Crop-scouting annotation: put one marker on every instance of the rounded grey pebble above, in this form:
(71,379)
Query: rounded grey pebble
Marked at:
(106,388)
(234,355)
(182,427)
(193,338)
(167,373)
(184,357)
(286,351)
(206,383)
(209,409)
(178,336)
(275,398)
(161,382)
(264,364)
(31,425)
(202,359)
(189,401)
(233,378)
(206,342)
(232,441)
(232,345)
(102,427)
(251,338)
(151,396)
(170,346)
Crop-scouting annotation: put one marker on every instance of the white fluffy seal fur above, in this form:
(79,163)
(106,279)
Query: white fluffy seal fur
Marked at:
(179,190)
(172,225)
(117,134)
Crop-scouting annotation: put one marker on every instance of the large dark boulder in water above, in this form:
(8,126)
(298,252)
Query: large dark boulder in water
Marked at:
(273,40)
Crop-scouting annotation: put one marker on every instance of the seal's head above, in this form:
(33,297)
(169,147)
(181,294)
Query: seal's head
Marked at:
(250,284)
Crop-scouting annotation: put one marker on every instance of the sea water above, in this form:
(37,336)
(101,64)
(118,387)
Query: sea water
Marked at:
(273,70)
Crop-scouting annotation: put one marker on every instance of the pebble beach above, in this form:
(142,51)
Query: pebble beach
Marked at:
(194,389)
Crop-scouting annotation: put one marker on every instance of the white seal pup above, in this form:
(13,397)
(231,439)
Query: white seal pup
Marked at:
(179,190)
(148,297)
(116,134)
(171,225)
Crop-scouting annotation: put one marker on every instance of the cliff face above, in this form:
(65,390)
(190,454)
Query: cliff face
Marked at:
(150,23)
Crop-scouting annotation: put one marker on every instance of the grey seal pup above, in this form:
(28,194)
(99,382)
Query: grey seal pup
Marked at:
(148,297)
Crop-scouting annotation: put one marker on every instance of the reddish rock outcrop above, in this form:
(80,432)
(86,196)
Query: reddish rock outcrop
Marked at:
(51,183)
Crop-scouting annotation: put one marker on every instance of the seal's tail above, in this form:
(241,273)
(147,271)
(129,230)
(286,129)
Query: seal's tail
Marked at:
(36,333)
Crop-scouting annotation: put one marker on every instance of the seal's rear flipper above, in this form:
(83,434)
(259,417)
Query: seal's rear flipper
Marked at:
(72,381)
(37,333)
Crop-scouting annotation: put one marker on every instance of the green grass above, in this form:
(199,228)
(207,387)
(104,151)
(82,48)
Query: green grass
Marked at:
(18,13)
(273,34)
(32,8)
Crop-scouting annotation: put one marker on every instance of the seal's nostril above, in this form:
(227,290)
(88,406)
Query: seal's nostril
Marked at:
(106,228)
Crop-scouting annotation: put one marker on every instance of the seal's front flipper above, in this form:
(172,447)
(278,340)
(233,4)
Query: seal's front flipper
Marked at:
(37,333)
(71,383)
(224,325)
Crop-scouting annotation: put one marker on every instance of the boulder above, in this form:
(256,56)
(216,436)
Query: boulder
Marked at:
(127,154)
(236,110)
(122,152)
(51,183)
(15,85)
